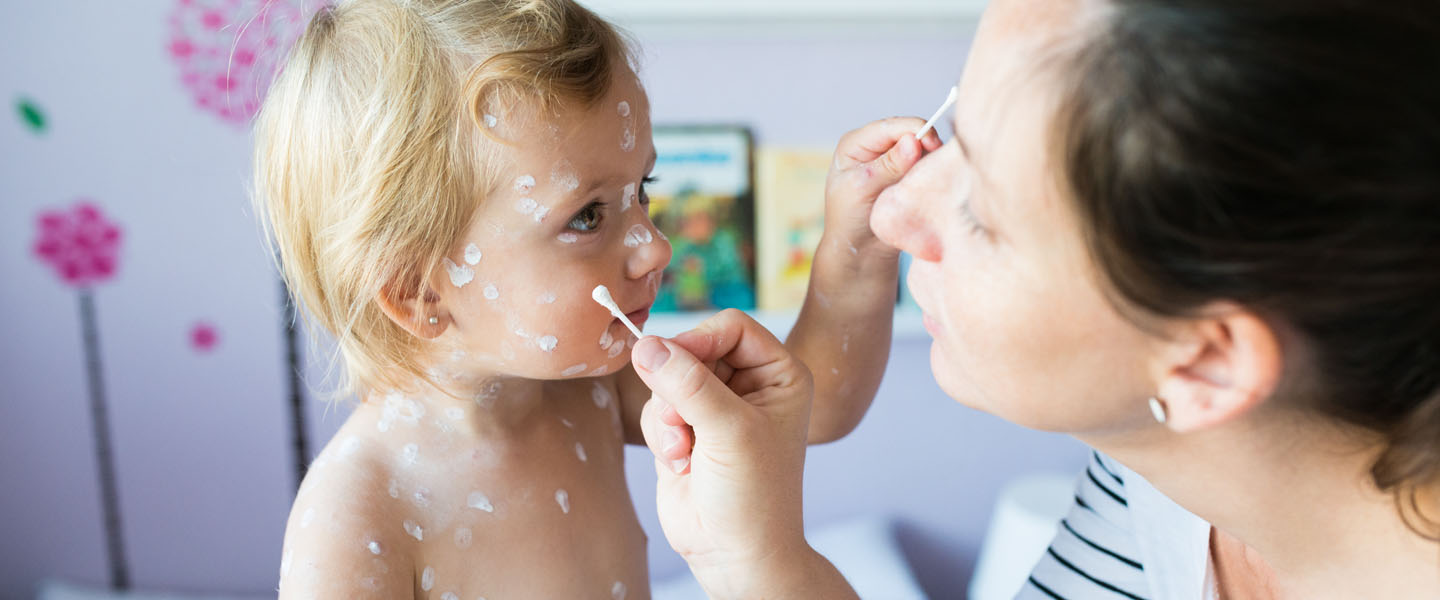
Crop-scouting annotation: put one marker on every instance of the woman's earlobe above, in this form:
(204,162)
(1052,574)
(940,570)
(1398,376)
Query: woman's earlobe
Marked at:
(1237,368)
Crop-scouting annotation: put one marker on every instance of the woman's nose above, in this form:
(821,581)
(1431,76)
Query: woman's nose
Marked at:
(898,220)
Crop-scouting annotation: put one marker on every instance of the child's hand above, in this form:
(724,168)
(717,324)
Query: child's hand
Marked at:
(867,161)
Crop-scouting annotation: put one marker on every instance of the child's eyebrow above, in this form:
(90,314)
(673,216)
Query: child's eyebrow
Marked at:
(580,194)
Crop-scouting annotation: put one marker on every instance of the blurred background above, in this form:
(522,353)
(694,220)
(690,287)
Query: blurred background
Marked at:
(157,408)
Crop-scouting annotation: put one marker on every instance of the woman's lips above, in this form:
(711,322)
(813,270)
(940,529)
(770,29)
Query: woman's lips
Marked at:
(930,324)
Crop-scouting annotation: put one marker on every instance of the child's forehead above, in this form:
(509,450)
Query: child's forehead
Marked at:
(589,140)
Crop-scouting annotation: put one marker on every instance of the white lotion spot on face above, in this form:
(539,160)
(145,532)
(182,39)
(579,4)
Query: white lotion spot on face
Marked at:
(463,537)
(562,498)
(524,184)
(491,292)
(617,591)
(427,578)
(547,343)
(567,238)
(600,370)
(491,121)
(580,452)
(600,395)
(472,254)
(540,213)
(480,501)
(394,489)
(626,195)
(421,497)
(374,547)
(414,530)
(409,454)
(574,370)
(623,108)
(526,206)
(637,235)
(459,275)
(627,139)
(564,176)
(307,518)
(546,298)
(616,348)
(606,339)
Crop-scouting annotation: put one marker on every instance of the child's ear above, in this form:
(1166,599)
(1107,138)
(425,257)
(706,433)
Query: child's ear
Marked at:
(1222,366)
(421,315)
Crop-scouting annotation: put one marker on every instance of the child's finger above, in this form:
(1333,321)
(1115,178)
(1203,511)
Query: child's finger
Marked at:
(874,140)
(887,170)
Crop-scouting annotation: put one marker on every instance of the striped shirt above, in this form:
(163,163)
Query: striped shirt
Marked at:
(1123,540)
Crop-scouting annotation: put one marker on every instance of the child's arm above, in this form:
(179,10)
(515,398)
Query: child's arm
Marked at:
(843,332)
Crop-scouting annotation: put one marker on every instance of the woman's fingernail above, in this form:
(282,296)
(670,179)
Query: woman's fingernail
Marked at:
(651,354)
(669,440)
(678,465)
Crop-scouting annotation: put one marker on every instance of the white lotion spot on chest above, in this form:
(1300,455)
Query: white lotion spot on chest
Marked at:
(480,501)
(427,578)
(414,530)
(562,498)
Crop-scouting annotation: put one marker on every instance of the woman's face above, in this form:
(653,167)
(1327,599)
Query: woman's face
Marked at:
(1021,327)
(570,214)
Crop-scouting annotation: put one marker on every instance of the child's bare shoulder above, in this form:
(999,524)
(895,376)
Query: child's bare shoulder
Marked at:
(344,525)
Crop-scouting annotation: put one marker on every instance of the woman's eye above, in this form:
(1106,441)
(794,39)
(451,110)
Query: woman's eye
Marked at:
(645,196)
(588,219)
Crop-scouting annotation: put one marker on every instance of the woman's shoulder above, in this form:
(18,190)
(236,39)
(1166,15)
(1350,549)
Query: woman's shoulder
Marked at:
(1120,538)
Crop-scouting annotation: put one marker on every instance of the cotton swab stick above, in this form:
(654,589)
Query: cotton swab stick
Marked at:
(949,100)
(601,294)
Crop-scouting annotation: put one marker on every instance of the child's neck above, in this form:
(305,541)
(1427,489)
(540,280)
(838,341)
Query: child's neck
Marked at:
(489,404)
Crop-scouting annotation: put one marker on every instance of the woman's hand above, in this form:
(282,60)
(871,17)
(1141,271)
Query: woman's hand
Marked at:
(738,406)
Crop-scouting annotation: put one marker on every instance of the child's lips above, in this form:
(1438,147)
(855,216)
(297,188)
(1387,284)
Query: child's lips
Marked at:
(639,317)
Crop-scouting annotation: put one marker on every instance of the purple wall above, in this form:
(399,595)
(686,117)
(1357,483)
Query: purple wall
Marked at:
(201,439)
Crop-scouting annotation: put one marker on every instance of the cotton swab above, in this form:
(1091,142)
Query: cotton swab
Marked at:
(949,100)
(601,294)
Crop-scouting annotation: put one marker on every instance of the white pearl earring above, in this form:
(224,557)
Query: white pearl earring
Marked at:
(1157,409)
(434,320)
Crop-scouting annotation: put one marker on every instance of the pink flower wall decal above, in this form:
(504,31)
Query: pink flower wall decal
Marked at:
(228,50)
(204,337)
(80,244)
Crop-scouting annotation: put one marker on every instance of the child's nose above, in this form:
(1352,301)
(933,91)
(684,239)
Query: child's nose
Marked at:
(898,221)
(649,257)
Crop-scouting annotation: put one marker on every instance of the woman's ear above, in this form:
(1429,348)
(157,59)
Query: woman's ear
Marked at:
(1225,364)
(423,315)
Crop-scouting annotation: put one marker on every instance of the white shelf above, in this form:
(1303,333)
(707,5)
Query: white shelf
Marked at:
(907,325)
(683,19)
(866,11)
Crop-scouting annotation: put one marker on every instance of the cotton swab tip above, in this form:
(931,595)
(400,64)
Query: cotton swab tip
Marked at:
(601,294)
(949,100)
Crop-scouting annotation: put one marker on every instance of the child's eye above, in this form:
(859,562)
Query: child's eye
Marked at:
(588,218)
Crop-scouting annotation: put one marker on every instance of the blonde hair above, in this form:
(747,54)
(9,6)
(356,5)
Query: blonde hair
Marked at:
(367,165)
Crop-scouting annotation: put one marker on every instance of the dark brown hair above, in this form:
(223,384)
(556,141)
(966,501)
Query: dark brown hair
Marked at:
(1284,155)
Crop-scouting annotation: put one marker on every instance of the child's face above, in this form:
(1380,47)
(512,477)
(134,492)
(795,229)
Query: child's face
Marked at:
(570,213)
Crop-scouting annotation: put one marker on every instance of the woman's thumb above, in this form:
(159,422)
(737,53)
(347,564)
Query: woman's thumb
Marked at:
(675,375)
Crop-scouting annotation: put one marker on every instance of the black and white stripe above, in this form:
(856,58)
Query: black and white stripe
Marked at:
(1094,554)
